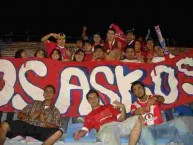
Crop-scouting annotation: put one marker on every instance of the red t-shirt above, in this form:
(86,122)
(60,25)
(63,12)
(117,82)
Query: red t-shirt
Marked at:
(152,116)
(109,47)
(146,53)
(51,45)
(100,116)
(95,44)
(88,56)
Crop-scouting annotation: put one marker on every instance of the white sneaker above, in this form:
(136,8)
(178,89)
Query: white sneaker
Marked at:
(18,138)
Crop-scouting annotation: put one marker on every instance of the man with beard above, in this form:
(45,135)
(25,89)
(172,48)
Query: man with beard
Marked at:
(149,108)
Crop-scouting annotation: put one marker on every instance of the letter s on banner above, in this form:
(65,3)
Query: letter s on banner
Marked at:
(34,92)
(10,79)
(187,87)
(41,70)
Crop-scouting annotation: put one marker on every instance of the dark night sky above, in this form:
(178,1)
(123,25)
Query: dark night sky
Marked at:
(40,18)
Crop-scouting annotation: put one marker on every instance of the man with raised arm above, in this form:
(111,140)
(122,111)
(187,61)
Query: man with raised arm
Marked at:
(109,122)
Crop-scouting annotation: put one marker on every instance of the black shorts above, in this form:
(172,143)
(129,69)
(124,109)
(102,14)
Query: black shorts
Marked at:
(22,128)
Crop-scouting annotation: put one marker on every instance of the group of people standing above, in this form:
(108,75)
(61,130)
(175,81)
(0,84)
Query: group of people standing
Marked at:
(133,49)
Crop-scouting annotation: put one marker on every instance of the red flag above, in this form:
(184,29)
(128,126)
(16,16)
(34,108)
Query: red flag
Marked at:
(119,35)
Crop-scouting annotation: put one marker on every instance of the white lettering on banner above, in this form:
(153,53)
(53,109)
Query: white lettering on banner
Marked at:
(185,61)
(187,87)
(172,83)
(110,78)
(164,83)
(148,91)
(124,84)
(63,101)
(41,70)
(17,98)
(10,78)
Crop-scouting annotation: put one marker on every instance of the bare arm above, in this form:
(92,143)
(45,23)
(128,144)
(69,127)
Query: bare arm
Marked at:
(139,111)
(45,38)
(118,51)
(22,116)
(84,35)
(110,56)
(156,98)
(148,33)
(160,98)
(120,106)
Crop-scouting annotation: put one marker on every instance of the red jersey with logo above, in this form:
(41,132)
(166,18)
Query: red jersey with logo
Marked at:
(100,116)
(51,45)
(152,115)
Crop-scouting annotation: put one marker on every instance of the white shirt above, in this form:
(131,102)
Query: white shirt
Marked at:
(131,60)
(159,59)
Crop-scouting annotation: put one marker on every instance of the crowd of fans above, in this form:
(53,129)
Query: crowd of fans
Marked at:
(49,129)
(134,49)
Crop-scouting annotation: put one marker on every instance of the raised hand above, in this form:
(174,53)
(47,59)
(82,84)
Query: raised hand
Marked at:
(54,35)
(118,104)
(152,100)
(76,136)
(79,134)
(84,28)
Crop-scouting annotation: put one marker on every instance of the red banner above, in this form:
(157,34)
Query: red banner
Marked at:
(23,80)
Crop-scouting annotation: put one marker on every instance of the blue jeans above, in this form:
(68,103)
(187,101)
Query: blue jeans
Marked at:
(146,137)
(173,131)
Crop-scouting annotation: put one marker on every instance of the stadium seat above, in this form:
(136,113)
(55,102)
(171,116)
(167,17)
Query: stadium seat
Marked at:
(72,128)
(184,110)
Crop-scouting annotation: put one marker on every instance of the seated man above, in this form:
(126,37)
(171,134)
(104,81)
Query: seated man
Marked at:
(149,109)
(39,119)
(106,120)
